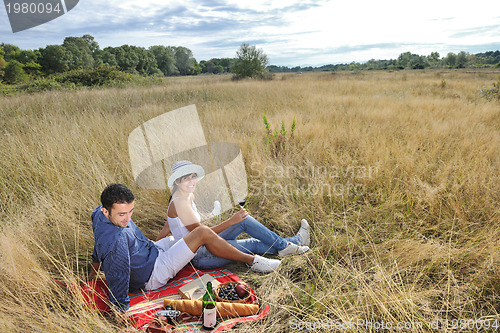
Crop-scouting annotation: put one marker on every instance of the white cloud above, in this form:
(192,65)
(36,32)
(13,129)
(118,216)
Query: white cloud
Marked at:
(291,32)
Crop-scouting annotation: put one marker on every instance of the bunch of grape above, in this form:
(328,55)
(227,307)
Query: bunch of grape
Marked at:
(232,292)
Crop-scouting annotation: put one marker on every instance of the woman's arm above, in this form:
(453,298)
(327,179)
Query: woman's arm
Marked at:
(191,221)
(235,219)
(164,232)
(186,213)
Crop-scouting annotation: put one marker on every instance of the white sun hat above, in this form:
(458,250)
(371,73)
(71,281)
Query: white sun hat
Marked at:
(183,168)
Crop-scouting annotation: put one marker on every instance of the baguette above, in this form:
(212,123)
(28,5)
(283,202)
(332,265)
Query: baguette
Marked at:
(224,309)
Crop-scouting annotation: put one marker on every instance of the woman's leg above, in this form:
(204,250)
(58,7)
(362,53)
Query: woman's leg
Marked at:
(257,230)
(263,241)
(204,236)
(204,259)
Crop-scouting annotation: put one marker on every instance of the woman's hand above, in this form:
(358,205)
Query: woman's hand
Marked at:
(239,216)
(235,219)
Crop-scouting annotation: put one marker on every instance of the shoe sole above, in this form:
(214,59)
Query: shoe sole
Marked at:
(292,254)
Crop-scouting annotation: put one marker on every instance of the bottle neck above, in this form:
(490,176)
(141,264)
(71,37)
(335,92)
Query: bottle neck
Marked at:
(209,296)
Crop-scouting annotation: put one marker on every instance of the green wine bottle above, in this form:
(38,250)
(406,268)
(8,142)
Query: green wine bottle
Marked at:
(209,309)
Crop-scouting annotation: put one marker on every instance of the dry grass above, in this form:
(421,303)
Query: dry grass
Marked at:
(397,172)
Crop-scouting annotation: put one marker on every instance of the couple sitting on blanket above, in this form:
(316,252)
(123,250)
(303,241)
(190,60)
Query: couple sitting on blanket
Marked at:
(132,262)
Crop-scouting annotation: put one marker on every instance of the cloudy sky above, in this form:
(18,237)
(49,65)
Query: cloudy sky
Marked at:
(290,32)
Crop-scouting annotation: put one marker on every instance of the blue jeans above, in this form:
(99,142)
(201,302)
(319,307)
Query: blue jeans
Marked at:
(263,241)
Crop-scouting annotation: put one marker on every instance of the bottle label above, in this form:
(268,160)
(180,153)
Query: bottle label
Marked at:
(209,316)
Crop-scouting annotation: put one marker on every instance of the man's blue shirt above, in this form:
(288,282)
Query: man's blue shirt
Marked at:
(126,256)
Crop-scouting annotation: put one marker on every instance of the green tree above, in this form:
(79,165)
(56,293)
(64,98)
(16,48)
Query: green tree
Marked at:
(27,56)
(165,59)
(196,67)
(218,69)
(434,59)
(184,60)
(93,45)
(54,59)
(32,68)
(418,62)
(450,60)
(225,63)
(94,49)
(462,59)
(404,60)
(126,57)
(14,73)
(13,52)
(78,53)
(2,62)
(147,62)
(250,62)
(10,51)
(108,57)
(131,59)
(472,60)
(216,65)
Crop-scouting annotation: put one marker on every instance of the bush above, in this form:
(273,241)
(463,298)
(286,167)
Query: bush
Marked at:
(102,76)
(492,93)
(97,76)
(42,84)
(277,141)
(7,89)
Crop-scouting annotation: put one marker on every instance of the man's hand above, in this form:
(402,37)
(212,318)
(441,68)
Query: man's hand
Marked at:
(121,318)
(94,270)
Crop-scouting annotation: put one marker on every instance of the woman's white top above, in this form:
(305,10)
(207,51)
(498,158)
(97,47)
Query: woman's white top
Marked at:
(177,228)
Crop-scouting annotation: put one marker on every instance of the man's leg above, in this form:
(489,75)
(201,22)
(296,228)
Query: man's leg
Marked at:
(203,235)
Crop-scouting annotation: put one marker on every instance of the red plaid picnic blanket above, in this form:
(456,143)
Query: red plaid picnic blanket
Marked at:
(143,305)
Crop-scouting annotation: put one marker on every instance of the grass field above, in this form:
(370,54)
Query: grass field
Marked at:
(397,172)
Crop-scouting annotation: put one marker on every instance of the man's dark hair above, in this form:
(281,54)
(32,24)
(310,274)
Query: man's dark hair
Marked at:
(116,193)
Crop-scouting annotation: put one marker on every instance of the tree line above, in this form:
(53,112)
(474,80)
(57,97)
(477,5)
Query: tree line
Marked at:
(17,65)
(83,53)
(409,60)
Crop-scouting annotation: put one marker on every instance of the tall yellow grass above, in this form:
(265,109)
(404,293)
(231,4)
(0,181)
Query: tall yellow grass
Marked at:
(398,173)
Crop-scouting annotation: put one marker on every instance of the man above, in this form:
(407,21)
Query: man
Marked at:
(132,262)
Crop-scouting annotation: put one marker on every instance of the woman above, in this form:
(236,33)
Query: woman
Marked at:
(183,217)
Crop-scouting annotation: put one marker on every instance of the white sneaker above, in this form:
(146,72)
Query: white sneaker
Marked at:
(264,265)
(304,233)
(293,249)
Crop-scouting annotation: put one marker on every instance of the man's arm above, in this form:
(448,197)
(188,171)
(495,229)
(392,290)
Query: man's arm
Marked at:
(94,270)
(116,266)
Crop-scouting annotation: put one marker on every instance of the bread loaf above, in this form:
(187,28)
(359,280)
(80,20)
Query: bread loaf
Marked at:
(224,309)
(194,308)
